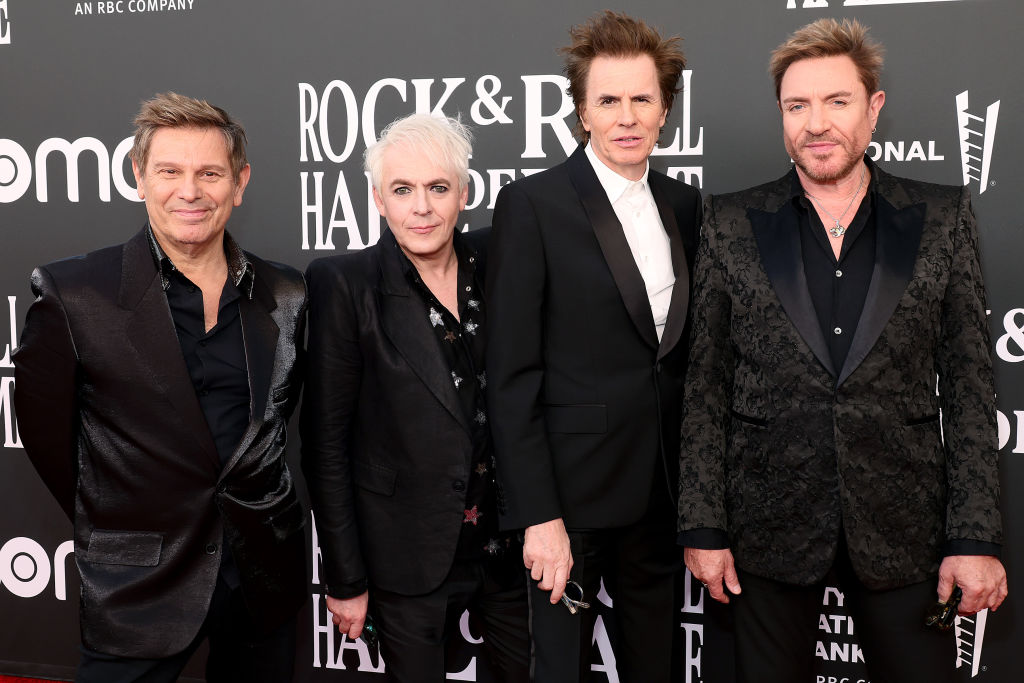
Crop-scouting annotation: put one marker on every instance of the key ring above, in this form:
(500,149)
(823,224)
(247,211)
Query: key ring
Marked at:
(574,604)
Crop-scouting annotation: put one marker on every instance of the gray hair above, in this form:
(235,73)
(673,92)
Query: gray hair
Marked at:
(444,140)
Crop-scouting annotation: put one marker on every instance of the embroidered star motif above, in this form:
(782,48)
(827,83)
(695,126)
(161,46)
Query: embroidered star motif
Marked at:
(472,515)
(435,317)
(474,304)
(481,469)
(471,327)
(456,380)
(493,547)
(480,418)
(482,379)
(449,336)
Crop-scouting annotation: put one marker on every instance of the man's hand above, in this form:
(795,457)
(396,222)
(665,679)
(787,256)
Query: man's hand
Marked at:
(547,555)
(349,614)
(981,578)
(713,568)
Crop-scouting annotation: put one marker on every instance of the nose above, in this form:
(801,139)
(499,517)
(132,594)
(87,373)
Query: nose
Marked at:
(627,113)
(818,121)
(188,188)
(421,205)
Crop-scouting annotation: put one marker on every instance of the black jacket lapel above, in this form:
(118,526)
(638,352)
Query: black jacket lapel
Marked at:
(898,237)
(678,306)
(407,326)
(613,244)
(150,331)
(778,242)
(260,333)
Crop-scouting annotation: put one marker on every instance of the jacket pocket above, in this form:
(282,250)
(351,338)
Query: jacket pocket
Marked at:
(375,478)
(135,548)
(740,417)
(576,419)
(288,520)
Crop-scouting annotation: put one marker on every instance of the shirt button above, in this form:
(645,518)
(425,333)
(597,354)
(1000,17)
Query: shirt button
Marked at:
(838,330)
(839,273)
(458,485)
(468,288)
(472,259)
(211,548)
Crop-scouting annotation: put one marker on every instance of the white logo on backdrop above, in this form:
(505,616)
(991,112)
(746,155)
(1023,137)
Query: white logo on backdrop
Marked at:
(823,4)
(977,136)
(970,636)
(902,150)
(25,568)
(5,24)
(336,124)
(11,437)
(16,168)
(131,6)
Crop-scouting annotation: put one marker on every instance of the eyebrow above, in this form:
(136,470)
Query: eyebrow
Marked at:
(832,95)
(435,181)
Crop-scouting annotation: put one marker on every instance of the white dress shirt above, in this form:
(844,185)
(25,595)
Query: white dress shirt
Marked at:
(634,205)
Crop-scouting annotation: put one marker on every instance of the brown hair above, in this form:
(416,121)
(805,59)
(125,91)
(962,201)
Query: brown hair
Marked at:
(611,34)
(171,110)
(830,38)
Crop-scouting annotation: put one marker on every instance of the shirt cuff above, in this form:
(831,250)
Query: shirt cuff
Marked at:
(704,538)
(967,546)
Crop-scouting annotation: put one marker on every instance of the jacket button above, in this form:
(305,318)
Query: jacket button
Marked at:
(211,548)
(459,485)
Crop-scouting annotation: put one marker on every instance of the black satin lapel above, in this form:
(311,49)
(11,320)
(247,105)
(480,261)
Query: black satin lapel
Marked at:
(614,246)
(150,331)
(778,241)
(407,326)
(676,321)
(260,333)
(898,237)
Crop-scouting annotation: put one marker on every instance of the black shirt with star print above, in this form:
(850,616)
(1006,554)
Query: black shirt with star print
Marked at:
(461,343)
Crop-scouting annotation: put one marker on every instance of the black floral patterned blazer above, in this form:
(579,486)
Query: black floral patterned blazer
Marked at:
(782,450)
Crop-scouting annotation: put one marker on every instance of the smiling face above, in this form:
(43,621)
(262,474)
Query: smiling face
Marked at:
(188,187)
(827,117)
(623,112)
(421,202)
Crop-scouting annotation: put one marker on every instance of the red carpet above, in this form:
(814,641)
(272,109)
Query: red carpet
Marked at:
(13,679)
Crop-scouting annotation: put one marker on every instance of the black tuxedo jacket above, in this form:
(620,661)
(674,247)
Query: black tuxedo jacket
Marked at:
(109,417)
(386,448)
(782,449)
(584,400)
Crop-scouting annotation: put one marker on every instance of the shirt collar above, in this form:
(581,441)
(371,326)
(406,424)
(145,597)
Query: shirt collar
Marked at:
(464,253)
(240,269)
(614,185)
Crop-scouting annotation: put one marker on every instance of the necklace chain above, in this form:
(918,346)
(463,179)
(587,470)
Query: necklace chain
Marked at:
(838,230)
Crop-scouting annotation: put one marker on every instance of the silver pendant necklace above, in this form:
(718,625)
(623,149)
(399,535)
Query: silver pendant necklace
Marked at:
(838,230)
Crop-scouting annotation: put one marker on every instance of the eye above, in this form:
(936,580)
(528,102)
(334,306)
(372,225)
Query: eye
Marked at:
(796,108)
(839,103)
(402,190)
(440,189)
(605,101)
(645,99)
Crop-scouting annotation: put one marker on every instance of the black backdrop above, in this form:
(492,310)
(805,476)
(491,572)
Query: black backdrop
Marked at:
(314,79)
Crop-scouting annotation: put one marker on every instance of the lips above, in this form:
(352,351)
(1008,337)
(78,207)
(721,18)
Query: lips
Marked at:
(628,141)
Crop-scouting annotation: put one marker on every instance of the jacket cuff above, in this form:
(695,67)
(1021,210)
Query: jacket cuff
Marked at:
(967,546)
(344,591)
(704,538)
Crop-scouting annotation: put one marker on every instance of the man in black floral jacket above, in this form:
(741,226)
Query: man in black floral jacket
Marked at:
(815,447)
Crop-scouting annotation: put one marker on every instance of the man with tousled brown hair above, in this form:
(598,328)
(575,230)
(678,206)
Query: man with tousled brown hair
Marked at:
(816,449)
(588,295)
(155,380)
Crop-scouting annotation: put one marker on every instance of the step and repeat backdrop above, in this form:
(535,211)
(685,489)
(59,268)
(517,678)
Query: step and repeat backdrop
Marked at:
(315,80)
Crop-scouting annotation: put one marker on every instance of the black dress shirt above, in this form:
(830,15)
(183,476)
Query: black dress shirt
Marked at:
(461,344)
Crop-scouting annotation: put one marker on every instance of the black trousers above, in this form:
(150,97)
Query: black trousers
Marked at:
(239,651)
(776,628)
(415,629)
(639,564)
